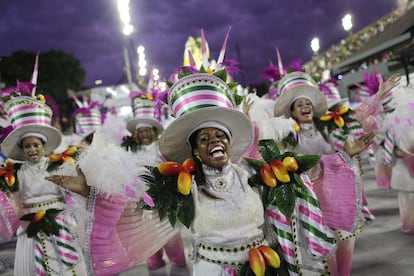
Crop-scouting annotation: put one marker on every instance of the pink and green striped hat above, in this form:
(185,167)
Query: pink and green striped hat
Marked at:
(29,117)
(299,85)
(331,92)
(144,116)
(196,99)
(87,122)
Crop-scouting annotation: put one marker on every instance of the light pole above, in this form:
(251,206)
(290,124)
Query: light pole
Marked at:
(123,9)
(142,65)
(347,23)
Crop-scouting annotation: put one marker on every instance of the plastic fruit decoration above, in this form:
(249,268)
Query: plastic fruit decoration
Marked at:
(39,216)
(290,164)
(257,262)
(169,168)
(268,176)
(280,171)
(271,257)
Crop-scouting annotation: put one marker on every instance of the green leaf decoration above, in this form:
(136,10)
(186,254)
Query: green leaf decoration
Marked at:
(306,162)
(32,229)
(130,144)
(53,166)
(285,199)
(255,181)
(48,224)
(299,187)
(254,163)
(271,196)
(238,99)
(290,140)
(269,150)
(202,69)
(222,74)
(187,212)
(184,72)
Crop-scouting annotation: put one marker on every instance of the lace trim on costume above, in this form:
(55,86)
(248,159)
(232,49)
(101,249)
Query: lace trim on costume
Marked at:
(358,221)
(90,206)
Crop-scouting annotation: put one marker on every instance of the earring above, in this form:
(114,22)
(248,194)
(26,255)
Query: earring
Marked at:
(197,155)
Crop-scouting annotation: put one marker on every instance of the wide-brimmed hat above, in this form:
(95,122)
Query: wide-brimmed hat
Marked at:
(296,85)
(331,92)
(28,115)
(144,115)
(194,100)
(87,121)
(87,116)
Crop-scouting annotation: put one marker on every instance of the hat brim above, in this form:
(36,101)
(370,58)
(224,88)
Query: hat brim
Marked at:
(285,100)
(11,149)
(132,124)
(173,141)
(332,103)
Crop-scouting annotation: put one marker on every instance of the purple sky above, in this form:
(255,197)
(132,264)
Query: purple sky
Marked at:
(90,30)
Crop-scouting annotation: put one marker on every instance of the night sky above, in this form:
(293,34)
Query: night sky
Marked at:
(91,30)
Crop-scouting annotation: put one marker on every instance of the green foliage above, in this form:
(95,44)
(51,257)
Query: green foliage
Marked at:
(129,143)
(58,72)
(269,150)
(168,200)
(222,74)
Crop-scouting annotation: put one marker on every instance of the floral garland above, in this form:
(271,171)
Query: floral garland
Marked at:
(279,175)
(8,180)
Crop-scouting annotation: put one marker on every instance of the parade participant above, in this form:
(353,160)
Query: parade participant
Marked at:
(145,130)
(398,153)
(119,234)
(46,236)
(301,99)
(228,213)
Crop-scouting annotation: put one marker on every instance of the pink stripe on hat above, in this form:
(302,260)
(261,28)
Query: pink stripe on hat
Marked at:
(199,98)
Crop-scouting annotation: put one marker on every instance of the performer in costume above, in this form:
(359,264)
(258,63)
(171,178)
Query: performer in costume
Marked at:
(145,130)
(47,241)
(225,214)
(398,153)
(300,98)
(120,234)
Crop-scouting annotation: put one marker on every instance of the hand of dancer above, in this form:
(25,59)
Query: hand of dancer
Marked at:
(353,147)
(76,184)
(388,85)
